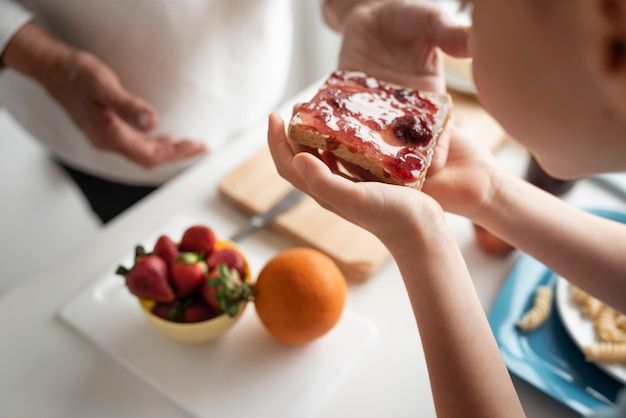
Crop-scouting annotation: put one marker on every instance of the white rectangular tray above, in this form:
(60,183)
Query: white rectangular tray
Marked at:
(243,374)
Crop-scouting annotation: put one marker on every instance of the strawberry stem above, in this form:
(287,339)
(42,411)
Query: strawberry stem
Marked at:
(139,251)
(190,257)
(231,290)
(177,311)
(122,271)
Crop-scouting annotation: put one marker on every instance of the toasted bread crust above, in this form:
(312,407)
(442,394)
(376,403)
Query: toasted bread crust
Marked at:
(313,139)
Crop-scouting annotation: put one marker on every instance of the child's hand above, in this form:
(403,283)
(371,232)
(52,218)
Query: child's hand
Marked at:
(466,180)
(395,214)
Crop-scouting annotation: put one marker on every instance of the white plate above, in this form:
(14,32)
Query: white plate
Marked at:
(244,373)
(580,328)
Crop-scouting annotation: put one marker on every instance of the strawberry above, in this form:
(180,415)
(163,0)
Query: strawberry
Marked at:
(197,311)
(188,273)
(229,257)
(166,249)
(209,291)
(184,310)
(223,290)
(198,238)
(162,310)
(148,278)
(171,311)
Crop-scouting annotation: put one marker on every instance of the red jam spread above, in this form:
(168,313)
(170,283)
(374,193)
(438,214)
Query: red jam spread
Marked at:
(392,126)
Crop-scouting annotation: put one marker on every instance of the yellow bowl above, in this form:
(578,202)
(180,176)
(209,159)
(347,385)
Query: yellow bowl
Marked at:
(198,331)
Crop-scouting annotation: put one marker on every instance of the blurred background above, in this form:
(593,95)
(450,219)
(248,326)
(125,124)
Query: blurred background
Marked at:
(42,214)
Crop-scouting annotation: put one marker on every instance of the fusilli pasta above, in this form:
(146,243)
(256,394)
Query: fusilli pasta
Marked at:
(609,325)
(540,311)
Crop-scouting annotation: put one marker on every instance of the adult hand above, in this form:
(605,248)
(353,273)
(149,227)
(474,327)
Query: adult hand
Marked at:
(112,118)
(401,41)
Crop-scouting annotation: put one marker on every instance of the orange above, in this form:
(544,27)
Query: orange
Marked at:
(300,295)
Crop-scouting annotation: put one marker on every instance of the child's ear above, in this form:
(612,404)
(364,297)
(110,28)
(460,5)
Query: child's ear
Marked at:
(608,42)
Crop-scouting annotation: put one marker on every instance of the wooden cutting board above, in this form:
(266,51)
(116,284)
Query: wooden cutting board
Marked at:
(255,186)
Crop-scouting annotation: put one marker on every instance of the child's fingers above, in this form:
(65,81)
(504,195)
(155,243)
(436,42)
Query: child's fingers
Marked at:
(440,153)
(281,151)
(331,191)
(311,175)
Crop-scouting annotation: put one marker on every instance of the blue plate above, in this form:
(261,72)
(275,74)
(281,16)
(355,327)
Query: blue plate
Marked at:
(547,357)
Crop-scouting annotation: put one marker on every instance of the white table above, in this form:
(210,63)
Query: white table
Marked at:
(49,370)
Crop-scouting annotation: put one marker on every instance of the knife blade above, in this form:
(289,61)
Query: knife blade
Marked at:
(288,201)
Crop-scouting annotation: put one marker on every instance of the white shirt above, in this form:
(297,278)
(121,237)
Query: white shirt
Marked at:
(209,67)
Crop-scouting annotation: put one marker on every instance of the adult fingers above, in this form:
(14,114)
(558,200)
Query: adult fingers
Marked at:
(452,38)
(151,152)
(132,109)
(100,82)
(454,41)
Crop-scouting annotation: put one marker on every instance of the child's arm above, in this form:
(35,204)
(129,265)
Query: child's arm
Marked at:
(468,376)
(584,248)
